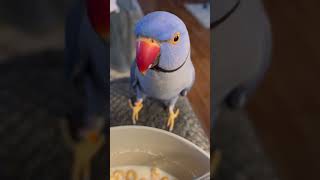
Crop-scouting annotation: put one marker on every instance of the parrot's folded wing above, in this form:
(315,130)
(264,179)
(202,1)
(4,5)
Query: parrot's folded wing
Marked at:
(189,86)
(72,29)
(133,77)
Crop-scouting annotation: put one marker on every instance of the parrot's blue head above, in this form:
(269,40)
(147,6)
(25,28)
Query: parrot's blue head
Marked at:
(162,41)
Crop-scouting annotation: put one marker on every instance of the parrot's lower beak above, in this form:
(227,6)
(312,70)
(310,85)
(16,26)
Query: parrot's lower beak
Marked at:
(147,52)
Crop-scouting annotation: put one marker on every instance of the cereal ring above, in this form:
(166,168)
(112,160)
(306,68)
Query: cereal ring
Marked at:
(155,173)
(118,174)
(131,175)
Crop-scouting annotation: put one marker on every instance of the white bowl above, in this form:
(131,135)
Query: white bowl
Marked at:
(146,146)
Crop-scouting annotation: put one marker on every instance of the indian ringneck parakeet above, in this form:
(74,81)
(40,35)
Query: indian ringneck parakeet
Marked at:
(162,69)
(86,57)
(86,53)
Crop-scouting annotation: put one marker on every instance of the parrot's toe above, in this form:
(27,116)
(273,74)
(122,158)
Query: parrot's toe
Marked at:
(136,108)
(171,119)
(84,152)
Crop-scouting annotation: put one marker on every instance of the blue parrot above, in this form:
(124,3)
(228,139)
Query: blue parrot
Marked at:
(163,68)
(86,63)
(86,60)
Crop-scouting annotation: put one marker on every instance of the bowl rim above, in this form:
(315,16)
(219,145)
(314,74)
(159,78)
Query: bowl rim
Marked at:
(184,140)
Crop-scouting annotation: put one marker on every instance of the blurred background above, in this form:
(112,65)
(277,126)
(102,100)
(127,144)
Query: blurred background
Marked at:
(285,109)
(34,93)
(31,26)
(275,134)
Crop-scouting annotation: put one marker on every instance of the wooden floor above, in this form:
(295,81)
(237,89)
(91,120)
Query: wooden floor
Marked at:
(199,96)
(286,107)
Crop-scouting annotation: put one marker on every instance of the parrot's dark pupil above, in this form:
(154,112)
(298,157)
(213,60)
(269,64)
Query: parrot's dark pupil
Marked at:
(176,38)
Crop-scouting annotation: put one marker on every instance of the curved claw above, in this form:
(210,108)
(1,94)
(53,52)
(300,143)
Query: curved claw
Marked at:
(171,119)
(136,108)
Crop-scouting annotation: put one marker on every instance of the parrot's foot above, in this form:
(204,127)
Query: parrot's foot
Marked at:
(171,119)
(136,108)
(83,150)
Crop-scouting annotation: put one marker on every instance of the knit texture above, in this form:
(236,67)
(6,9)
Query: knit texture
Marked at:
(154,114)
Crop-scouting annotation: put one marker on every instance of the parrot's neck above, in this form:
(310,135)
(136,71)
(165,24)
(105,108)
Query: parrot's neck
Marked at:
(158,68)
(97,11)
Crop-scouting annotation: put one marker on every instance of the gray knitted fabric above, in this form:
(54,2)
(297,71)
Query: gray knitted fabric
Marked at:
(154,114)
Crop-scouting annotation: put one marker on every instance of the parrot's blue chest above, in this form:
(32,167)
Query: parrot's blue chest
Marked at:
(166,86)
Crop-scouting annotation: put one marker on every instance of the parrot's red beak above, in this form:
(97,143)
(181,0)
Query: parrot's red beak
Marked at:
(147,52)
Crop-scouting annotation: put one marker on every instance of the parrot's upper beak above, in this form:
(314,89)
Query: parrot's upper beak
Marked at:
(147,52)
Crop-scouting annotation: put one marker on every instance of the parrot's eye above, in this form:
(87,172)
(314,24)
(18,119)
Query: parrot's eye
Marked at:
(175,39)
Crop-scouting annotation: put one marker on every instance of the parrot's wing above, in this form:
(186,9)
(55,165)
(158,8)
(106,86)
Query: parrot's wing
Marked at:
(192,78)
(189,86)
(133,76)
(72,30)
